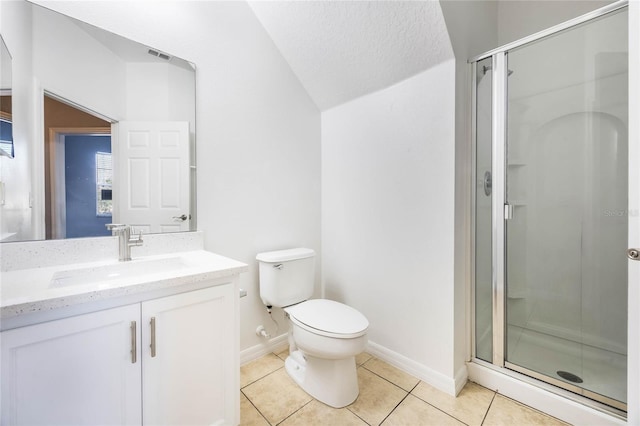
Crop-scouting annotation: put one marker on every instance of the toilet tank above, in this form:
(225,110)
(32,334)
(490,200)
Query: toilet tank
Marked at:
(286,276)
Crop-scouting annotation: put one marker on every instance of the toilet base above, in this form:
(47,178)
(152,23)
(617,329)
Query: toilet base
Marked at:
(330,381)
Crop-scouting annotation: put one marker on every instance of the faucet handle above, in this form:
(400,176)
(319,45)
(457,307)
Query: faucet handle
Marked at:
(116,228)
(137,237)
(111,226)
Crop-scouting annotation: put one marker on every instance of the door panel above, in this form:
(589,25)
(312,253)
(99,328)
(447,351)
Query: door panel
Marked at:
(152,176)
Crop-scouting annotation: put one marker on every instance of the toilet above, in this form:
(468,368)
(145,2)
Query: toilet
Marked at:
(324,337)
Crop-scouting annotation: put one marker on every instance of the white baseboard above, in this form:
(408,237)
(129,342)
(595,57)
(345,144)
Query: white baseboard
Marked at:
(450,385)
(554,404)
(461,378)
(272,345)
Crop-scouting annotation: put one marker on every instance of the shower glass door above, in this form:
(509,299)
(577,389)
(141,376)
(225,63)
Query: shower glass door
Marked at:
(565,235)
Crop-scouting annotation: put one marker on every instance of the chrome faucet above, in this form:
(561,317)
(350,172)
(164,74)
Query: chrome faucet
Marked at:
(125,240)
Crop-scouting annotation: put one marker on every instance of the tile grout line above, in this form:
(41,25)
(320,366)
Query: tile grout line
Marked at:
(405,397)
(438,408)
(254,406)
(258,379)
(394,408)
(355,414)
(426,402)
(441,410)
(394,384)
(385,379)
(262,377)
(489,408)
(303,405)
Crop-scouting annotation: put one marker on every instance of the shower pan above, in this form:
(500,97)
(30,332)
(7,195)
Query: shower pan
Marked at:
(550,206)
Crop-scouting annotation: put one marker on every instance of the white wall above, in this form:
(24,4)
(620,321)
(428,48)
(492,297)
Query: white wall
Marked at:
(70,63)
(159,91)
(258,133)
(388,216)
(473,29)
(5,69)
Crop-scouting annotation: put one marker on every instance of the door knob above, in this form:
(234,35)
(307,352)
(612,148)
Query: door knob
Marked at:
(181,218)
(633,254)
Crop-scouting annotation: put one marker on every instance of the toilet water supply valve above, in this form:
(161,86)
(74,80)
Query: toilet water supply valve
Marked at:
(261,331)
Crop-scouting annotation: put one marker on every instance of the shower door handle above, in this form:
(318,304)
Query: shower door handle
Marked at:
(633,254)
(508,211)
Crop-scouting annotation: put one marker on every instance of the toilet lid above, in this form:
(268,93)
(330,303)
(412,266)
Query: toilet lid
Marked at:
(329,316)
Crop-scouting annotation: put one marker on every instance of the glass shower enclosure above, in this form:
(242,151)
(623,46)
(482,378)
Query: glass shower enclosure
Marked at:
(550,206)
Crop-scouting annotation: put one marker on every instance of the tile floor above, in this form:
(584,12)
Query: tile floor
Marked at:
(388,396)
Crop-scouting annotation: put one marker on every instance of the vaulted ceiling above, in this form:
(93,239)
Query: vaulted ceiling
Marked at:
(341,50)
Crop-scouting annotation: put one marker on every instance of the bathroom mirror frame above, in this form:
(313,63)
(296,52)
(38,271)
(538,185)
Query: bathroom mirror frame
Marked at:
(144,69)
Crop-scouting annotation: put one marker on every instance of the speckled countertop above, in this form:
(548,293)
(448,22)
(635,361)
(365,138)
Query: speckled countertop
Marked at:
(36,289)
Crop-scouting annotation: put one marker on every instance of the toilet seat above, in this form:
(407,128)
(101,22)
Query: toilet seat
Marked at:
(328,318)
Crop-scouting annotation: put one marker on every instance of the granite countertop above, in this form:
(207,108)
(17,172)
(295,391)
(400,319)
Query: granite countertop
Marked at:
(32,290)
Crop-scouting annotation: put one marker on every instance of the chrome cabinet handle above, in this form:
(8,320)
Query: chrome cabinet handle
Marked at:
(134,343)
(633,254)
(153,337)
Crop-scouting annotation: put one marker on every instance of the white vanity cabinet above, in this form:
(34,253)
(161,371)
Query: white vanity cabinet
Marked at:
(170,360)
(190,375)
(75,370)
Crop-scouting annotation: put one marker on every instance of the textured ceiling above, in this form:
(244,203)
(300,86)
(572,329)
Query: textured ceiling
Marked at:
(341,50)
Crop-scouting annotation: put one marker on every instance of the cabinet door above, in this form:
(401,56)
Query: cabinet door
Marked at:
(73,371)
(191,377)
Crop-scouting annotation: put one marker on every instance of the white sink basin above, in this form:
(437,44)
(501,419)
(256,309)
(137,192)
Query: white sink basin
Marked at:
(117,271)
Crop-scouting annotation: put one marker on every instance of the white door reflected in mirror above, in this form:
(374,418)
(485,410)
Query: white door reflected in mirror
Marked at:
(151,179)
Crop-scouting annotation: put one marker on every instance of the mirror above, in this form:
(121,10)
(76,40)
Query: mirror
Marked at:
(118,141)
(6,121)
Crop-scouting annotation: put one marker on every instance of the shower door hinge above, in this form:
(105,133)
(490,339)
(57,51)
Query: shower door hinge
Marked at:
(508,212)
